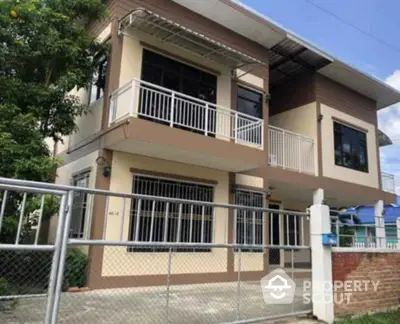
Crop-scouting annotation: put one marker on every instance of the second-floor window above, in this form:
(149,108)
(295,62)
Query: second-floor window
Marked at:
(350,147)
(177,76)
(98,85)
(249,102)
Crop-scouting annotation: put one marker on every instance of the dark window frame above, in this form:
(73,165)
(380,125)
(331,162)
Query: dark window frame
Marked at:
(350,147)
(169,67)
(99,79)
(182,78)
(294,235)
(241,94)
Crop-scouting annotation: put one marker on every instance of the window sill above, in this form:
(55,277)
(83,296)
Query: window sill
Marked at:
(348,168)
(162,250)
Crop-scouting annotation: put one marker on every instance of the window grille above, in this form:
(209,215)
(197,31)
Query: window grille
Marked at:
(196,222)
(249,224)
(79,207)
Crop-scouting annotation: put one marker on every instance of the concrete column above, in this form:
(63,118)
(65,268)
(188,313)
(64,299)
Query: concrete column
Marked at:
(321,260)
(398,232)
(380,234)
(318,197)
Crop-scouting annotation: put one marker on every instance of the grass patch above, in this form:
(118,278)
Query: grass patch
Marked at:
(391,317)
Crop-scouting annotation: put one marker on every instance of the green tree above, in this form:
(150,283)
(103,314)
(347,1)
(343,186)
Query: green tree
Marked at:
(46,50)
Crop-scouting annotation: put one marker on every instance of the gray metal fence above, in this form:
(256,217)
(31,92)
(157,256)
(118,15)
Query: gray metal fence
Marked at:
(115,273)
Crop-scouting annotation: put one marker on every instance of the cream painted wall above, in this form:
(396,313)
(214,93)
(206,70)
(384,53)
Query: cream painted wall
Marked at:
(88,124)
(121,180)
(250,78)
(64,177)
(249,261)
(250,181)
(330,170)
(301,120)
(105,33)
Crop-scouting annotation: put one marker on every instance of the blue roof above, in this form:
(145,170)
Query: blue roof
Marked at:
(366,213)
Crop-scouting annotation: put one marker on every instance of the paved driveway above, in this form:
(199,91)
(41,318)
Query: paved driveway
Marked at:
(200,303)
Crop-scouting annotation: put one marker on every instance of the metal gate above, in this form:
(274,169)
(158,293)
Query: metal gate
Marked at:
(147,259)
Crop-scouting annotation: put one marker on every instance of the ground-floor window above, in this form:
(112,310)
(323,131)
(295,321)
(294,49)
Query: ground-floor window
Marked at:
(79,206)
(291,229)
(249,224)
(159,221)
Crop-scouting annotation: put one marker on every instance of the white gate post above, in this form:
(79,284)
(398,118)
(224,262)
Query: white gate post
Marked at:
(398,232)
(321,260)
(380,233)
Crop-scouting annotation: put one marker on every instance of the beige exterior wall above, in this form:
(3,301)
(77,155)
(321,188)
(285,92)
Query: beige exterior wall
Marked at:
(301,120)
(249,261)
(250,181)
(331,170)
(64,176)
(121,180)
(87,125)
(251,79)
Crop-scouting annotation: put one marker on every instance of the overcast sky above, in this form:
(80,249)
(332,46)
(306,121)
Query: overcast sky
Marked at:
(381,58)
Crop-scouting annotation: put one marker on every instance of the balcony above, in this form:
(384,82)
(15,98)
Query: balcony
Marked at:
(291,151)
(164,106)
(166,124)
(388,182)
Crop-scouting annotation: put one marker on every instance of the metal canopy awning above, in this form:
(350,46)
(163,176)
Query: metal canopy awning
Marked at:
(289,58)
(384,140)
(173,33)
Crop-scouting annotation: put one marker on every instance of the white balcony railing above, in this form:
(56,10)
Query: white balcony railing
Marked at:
(291,151)
(162,105)
(388,183)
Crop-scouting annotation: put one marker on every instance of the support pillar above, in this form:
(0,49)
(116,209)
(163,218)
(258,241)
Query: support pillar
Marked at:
(398,232)
(380,233)
(321,260)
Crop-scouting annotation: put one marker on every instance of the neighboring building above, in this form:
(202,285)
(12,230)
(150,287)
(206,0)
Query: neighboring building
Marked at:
(210,96)
(365,233)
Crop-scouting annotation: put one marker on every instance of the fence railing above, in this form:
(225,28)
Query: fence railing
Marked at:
(162,105)
(125,269)
(388,182)
(353,234)
(291,151)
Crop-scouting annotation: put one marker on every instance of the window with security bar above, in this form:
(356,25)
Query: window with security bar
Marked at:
(79,206)
(291,229)
(161,221)
(249,224)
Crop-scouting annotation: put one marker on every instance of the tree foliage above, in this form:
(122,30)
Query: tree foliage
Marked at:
(46,50)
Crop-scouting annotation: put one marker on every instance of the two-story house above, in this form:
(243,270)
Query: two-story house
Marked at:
(210,101)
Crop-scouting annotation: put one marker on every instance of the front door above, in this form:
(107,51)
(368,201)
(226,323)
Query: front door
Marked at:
(274,237)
